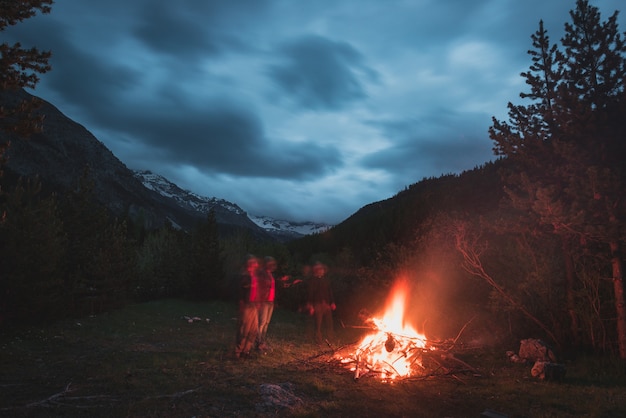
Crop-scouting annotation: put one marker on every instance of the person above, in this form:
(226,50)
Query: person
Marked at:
(248,321)
(321,303)
(267,294)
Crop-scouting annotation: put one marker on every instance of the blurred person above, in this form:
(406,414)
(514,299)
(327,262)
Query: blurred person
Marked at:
(267,295)
(268,286)
(248,320)
(321,303)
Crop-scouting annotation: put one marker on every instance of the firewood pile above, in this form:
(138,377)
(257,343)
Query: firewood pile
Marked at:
(394,357)
(394,350)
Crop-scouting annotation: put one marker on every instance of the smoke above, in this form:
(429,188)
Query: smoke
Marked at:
(442,299)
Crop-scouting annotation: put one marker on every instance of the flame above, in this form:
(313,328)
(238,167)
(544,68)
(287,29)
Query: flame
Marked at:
(395,348)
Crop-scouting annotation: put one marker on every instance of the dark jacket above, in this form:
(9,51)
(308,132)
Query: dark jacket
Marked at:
(320,291)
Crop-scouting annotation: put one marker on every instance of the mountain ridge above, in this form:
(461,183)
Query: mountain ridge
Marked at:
(66,152)
(279,228)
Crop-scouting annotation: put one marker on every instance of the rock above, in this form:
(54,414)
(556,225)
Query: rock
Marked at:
(277,397)
(534,350)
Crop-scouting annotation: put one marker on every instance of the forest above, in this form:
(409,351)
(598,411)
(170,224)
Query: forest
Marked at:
(530,245)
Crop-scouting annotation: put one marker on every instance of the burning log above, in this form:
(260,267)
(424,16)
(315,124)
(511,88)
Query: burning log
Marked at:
(389,356)
(407,360)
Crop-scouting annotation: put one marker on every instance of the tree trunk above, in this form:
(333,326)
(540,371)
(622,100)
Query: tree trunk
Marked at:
(620,302)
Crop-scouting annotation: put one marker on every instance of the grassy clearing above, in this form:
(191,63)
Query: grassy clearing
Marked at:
(147,361)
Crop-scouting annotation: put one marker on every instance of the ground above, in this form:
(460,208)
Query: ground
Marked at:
(174,359)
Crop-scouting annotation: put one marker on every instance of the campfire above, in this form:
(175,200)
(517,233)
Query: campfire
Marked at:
(394,349)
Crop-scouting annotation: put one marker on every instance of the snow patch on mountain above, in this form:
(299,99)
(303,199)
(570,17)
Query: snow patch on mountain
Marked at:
(300,228)
(185,198)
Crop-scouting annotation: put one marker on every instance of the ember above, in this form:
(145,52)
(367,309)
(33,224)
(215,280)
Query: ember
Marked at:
(394,349)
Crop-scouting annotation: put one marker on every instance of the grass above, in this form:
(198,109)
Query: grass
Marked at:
(148,361)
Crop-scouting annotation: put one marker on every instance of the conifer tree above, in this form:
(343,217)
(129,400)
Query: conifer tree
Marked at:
(566,148)
(207,265)
(163,264)
(32,248)
(19,68)
(100,258)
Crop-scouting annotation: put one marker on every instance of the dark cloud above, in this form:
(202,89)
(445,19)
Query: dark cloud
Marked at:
(320,74)
(225,138)
(96,87)
(80,76)
(164,31)
(196,29)
(442,142)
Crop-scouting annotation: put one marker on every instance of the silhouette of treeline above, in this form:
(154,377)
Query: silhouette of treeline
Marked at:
(64,255)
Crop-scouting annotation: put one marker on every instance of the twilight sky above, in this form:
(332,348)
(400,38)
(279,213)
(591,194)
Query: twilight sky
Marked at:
(296,109)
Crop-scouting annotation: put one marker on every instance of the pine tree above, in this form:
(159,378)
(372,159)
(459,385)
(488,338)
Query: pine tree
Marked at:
(19,68)
(98,260)
(207,273)
(566,148)
(163,264)
(32,249)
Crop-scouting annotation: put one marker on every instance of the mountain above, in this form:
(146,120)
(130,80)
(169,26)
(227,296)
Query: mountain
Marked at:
(280,230)
(289,229)
(66,152)
(195,206)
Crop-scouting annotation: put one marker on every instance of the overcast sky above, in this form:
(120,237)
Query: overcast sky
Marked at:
(300,110)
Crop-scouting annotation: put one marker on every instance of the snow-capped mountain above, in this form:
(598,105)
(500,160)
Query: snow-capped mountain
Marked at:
(185,198)
(301,228)
(280,229)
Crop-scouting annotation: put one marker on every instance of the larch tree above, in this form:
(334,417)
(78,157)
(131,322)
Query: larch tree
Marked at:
(567,147)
